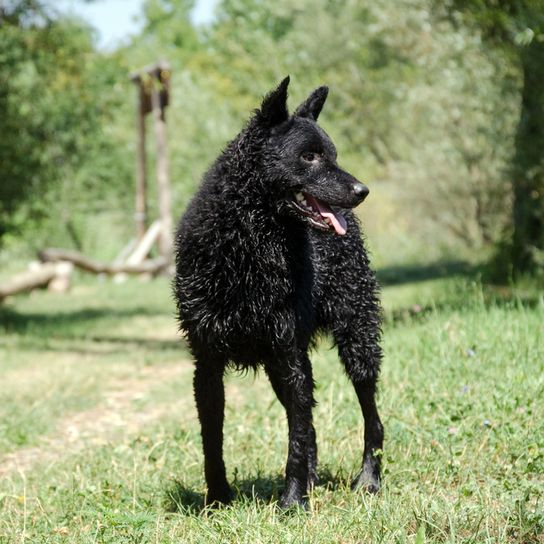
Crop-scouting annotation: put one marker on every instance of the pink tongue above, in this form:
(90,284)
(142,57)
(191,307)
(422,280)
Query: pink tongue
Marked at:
(338,221)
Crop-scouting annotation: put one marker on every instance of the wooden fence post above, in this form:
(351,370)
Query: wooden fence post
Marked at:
(141,166)
(163,179)
(154,95)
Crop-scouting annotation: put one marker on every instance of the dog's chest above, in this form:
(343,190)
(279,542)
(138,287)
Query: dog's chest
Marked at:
(246,292)
(263,276)
(261,292)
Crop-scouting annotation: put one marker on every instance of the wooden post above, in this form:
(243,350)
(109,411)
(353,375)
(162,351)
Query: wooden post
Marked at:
(158,102)
(140,214)
(154,95)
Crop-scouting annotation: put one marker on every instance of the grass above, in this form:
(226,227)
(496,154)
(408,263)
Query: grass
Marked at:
(99,440)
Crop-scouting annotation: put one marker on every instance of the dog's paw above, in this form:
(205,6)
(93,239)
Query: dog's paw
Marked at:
(290,500)
(313,479)
(294,505)
(218,497)
(367,481)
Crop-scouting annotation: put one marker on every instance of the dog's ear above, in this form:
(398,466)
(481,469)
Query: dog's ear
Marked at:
(312,106)
(273,110)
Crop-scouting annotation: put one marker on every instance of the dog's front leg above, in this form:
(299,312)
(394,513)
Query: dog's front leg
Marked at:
(298,396)
(361,355)
(369,476)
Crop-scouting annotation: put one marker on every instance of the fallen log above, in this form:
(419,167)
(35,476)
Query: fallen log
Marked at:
(63,277)
(31,279)
(151,266)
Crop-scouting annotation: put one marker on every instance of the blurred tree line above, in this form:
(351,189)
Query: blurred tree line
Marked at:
(439,102)
(517,27)
(56,100)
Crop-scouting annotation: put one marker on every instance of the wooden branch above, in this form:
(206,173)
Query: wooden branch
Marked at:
(31,279)
(142,249)
(54,255)
(125,252)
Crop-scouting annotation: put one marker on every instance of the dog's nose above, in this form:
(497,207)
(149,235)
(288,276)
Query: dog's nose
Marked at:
(361,191)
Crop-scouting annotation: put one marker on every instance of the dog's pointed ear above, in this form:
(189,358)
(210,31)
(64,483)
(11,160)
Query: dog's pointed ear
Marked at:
(312,106)
(273,109)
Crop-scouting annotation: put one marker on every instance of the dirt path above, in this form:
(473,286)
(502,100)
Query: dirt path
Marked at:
(114,416)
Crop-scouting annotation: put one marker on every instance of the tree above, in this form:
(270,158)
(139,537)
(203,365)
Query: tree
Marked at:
(518,26)
(413,104)
(55,93)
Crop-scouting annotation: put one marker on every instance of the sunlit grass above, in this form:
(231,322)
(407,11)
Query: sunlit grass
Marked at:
(461,395)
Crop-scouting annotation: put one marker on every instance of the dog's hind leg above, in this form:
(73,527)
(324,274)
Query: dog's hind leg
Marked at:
(360,354)
(296,390)
(311,446)
(210,402)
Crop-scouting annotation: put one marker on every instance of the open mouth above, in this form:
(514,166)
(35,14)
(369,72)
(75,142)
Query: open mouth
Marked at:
(319,214)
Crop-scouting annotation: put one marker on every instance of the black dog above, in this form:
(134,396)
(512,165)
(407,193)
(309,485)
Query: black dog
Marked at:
(269,254)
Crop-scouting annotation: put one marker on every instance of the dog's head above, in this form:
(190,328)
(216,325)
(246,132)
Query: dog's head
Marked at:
(302,158)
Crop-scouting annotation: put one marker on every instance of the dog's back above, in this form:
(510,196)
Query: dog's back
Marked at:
(268,253)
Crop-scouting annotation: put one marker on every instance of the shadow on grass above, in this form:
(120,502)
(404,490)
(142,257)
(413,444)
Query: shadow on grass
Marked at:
(180,499)
(149,343)
(70,330)
(97,345)
(491,297)
(462,295)
(396,275)
(263,489)
(13,321)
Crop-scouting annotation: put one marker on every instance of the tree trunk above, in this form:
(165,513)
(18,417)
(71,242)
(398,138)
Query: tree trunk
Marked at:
(527,248)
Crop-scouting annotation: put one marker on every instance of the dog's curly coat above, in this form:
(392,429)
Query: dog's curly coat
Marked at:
(268,255)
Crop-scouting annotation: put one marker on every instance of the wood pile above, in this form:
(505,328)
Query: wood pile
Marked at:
(55,268)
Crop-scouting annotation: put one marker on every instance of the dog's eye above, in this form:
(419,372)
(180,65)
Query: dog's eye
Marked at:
(310,156)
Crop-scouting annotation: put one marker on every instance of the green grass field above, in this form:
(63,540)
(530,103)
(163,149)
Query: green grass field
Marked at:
(99,440)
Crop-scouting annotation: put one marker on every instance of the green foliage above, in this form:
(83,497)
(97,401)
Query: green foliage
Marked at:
(518,28)
(506,22)
(167,24)
(55,93)
(413,104)
(415,90)
(412,107)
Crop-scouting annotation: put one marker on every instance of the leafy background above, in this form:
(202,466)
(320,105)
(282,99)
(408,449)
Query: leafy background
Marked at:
(425,105)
